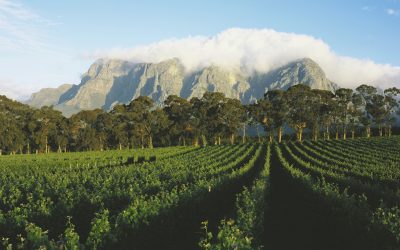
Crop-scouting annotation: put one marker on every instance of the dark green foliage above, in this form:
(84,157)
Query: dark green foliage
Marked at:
(200,121)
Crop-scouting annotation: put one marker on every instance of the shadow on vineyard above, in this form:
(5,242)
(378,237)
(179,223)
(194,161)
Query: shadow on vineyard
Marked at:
(299,219)
(180,227)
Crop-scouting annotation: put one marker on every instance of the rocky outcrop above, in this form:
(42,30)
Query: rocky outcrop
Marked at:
(48,96)
(109,82)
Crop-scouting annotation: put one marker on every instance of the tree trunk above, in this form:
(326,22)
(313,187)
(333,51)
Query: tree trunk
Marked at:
(353,133)
(344,133)
(142,141)
(150,141)
(28,149)
(258,135)
(315,131)
(380,130)
(328,136)
(219,140)
(315,134)
(390,131)
(244,134)
(196,141)
(46,146)
(337,135)
(280,131)
(203,141)
(300,135)
(368,130)
(59,149)
(271,137)
(232,139)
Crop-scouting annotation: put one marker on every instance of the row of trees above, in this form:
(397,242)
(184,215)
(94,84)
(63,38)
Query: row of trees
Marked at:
(210,119)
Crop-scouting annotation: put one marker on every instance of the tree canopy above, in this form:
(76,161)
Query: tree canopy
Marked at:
(213,119)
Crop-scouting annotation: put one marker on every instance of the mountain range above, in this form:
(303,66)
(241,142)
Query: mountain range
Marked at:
(111,81)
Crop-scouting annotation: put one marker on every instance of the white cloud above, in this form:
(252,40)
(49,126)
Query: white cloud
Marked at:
(392,12)
(26,46)
(367,8)
(21,29)
(15,91)
(250,50)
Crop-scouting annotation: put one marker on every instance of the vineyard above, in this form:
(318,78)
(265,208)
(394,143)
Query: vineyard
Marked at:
(331,194)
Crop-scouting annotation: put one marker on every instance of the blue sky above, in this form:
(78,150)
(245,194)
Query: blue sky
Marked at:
(47,43)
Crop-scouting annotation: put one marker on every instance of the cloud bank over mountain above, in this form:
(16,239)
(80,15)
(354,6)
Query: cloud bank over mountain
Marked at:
(261,50)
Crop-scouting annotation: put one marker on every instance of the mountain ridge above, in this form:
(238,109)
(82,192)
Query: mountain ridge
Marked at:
(111,81)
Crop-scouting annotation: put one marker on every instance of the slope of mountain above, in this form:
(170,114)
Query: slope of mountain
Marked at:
(110,81)
(48,96)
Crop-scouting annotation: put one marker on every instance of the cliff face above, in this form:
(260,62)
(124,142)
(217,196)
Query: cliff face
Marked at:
(109,82)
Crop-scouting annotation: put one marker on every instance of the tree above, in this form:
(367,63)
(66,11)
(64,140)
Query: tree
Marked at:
(366,92)
(120,127)
(376,108)
(299,102)
(356,113)
(104,127)
(139,112)
(246,120)
(343,98)
(327,113)
(209,110)
(278,110)
(157,125)
(391,104)
(179,112)
(320,108)
(262,112)
(233,113)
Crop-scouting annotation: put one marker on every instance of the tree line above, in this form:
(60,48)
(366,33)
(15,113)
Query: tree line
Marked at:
(211,119)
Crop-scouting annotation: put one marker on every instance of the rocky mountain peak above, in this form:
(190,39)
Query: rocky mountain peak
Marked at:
(111,81)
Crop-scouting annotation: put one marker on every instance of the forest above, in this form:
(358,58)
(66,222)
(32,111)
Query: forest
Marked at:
(296,113)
